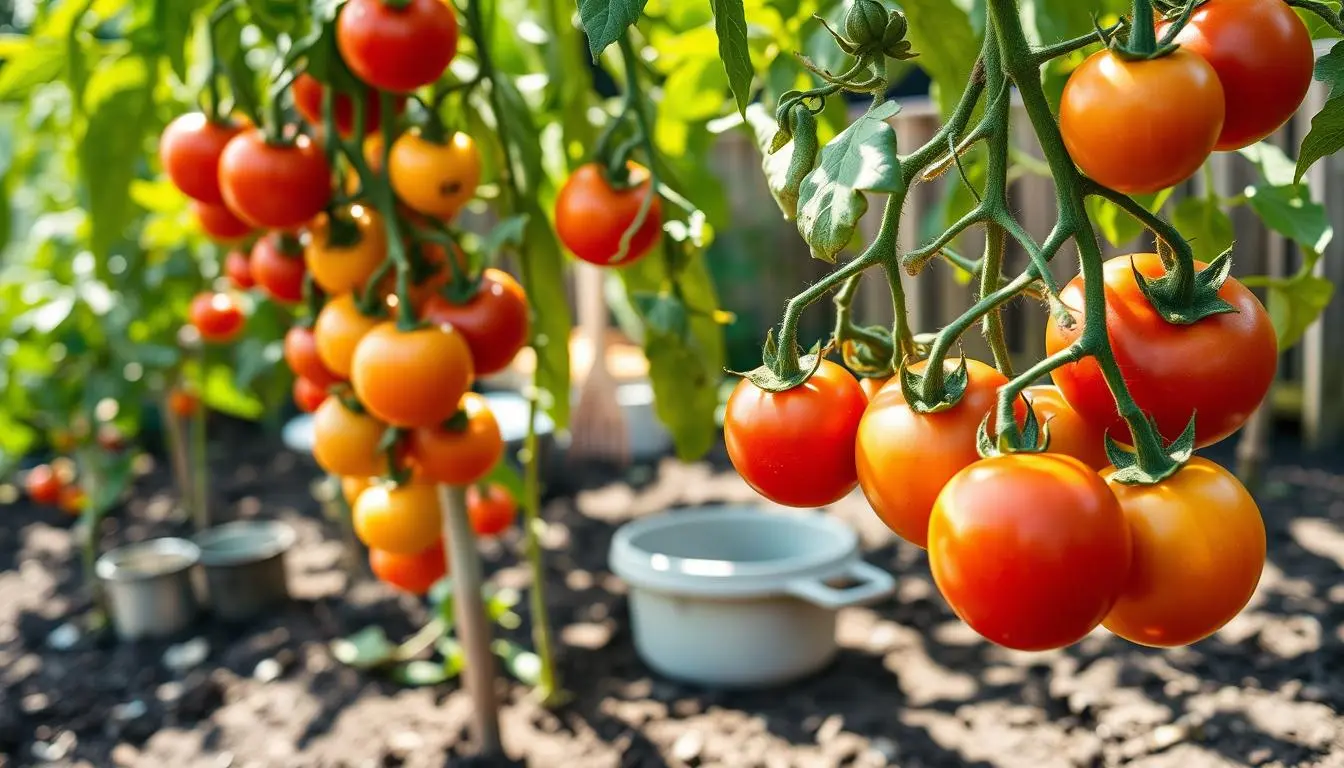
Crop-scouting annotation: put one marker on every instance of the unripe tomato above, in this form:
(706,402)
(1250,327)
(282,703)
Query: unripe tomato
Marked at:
(459,456)
(218,222)
(308,396)
(183,403)
(344,254)
(904,458)
(1263,55)
(238,268)
(591,216)
(1218,369)
(1141,126)
(397,48)
(275,186)
(1199,548)
(338,329)
(302,357)
(43,485)
(495,322)
(345,442)
(493,512)
(216,316)
(796,447)
(278,270)
(410,573)
(189,150)
(308,94)
(351,487)
(435,179)
(411,379)
(401,519)
(1070,433)
(1030,550)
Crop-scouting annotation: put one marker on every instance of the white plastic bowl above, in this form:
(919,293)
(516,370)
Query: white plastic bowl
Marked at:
(735,597)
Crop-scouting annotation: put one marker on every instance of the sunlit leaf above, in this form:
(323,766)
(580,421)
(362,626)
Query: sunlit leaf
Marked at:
(1205,226)
(606,20)
(1291,212)
(730,22)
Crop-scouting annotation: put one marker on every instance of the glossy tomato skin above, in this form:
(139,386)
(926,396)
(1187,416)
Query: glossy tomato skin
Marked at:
(1219,368)
(302,358)
(275,186)
(459,457)
(1030,550)
(1070,433)
(402,519)
(904,458)
(189,150)
(591,216)
(218,222)
(435,179)
(872,386)
(495,322)
(490,513)
(351,487)
(277,270)
(796,447)
(216,316)
(1263,55)
(1141,126)
(43,485)
(411,379)
(308,396)
(397,49)
(308,94)
(338,330)
(415,573)
(1199,549)
(238,268)
(340,266)
(346,443)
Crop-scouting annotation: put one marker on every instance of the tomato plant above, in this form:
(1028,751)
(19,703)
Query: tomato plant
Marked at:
(397,46)
(345,442)
(217,316)
(338,330)
(411,378)
(309,93)
(190,149)
(301,354)
(435,178)
(238,268)
(308,395)
(461,451)
(219,223)
(492,510)
(274,185)
(592,215)
(278,267)
(494,321)
(345,249)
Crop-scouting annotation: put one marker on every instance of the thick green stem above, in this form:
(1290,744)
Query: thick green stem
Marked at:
(1049,53)
(932,386)
(995,239)
(1005,420)
(548,685)
(1142,36)
(1322,10)
(901,333)
(635,105)
(1182,268)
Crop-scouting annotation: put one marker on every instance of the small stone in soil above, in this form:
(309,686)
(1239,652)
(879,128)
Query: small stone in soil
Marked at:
(35,703)
(55,750)
(267,670)
(687,747)
(64,637)
(885,749)
(184,656)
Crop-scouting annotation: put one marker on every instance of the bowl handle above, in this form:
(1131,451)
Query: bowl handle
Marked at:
(873,584)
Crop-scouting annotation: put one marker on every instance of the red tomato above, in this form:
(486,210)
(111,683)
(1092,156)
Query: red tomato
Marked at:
(308,93)
(1173,371)
(495,322)
(183,403)
(302,358)
(591,216)
(1263,55)
(238,268)
(275,186)
(279,269)
(218,222)
(1030,550)
(307,395)
(872,386)
(410,573)
(397,47)
(189,151)
(216,316)
(796,447)
(493,512)
(43,484)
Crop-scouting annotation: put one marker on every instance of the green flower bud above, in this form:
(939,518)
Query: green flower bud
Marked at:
(894,43)
(865,23)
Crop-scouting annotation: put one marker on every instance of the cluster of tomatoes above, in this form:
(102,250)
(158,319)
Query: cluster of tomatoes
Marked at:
(54,485)
(1240,71)
(1034,550)
(393,411)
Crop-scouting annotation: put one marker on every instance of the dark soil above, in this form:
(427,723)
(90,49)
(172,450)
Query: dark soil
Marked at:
(912,687)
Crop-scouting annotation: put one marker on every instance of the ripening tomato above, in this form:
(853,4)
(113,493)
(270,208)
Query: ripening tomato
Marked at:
(1141,126)
(495,322)
(278,268)
(904,458)
(345,442)
(410,573)
(872,386)
(796,447)
(1218,369)
(397,46)
(308,396)
(1070,433)
(216,316)
(411,378)
(275,186)
(72,500)
(351,487)
(458,454)
(591,216)
(434,178)
(183,402)
(189,150)
(401,519)
(338,329)
(493,512)
(1263,55)
(43,484)
(238,268)
(1199,548)
(218,222)
(302,358)
(308,94)
(343,254)
(1030,550)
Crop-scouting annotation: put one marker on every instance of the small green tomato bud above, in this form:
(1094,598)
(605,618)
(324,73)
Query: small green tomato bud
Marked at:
(865,23)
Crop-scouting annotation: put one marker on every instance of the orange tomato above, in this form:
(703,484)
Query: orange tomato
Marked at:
(411,379)
(338,330)
(345,442)
(1070,433)
(401,519)
(183,403)
(352,487)
(436,179)
(459,456)
(342,256)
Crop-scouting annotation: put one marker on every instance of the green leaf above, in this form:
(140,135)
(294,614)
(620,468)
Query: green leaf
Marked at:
(6,213)
(942,35)
(521,663)
(1117,226)
(39,62)
(420,673)
(606,20)
(1205,225)
(1273,162)
(1291,212)
(544,280)
(1051,21)
(831,201)
(730,23)
(1327,127)
(367,648)
(120,108)
(1295,304)
(504,473)
(508,232)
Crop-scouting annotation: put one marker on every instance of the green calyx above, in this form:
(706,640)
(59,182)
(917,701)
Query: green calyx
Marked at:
(1034,437)
(870,29)
(1200,299)
(868,351)
(1127,463)
(916,388)
(342,230)
(777,372)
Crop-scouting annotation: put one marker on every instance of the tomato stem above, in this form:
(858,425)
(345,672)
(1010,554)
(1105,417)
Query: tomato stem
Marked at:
(1328,14)
(990,271)
(1142,35)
